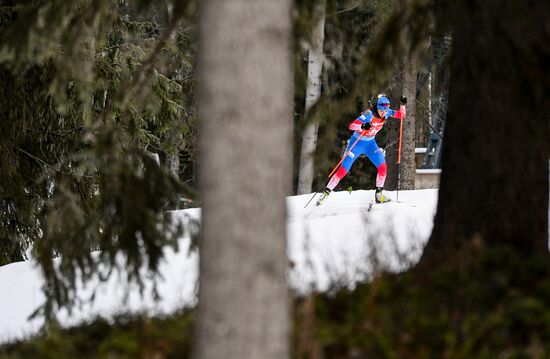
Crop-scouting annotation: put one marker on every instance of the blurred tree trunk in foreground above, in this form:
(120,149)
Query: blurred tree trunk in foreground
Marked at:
(245,112)
(494,184)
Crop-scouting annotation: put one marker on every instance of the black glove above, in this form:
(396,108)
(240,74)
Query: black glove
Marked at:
(366,126)
(403,100)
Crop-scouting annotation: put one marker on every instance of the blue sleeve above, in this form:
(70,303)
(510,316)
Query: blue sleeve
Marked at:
(390,113)
(366,117)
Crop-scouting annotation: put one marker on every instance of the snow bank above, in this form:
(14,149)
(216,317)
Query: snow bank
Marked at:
(334,245)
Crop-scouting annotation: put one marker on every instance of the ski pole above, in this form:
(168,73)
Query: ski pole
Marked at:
(311,199)
(399,157)
(345,155)
(338,164)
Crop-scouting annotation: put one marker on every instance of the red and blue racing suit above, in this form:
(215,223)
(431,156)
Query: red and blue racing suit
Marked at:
(366,145)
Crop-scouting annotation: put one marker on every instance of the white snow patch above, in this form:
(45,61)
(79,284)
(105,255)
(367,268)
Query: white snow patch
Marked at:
(337,244)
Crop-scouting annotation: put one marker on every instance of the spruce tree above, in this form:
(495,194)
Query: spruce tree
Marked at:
(87,91)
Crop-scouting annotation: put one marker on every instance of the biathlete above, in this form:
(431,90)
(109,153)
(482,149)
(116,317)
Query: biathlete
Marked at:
(366,127)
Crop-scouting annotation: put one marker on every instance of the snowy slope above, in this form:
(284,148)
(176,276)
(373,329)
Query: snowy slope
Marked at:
(336,244)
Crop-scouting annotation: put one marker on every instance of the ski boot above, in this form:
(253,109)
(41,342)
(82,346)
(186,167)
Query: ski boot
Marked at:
(379,197)
(323,197)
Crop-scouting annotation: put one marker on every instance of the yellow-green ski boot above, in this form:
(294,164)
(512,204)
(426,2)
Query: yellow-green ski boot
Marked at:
(323,197)
(379,197)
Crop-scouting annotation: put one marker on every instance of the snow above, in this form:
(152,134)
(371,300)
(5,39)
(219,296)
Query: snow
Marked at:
(436,171)
(337,244)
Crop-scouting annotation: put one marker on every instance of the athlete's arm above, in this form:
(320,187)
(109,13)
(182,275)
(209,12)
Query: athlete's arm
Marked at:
(400,114)
(359,123)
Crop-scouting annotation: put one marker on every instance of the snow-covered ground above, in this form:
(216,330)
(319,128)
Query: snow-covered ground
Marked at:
(337,244)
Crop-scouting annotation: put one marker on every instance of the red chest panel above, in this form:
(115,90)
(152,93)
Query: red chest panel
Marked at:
(376,125)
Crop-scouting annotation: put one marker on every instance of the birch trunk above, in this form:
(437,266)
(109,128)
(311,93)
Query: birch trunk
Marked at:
(313,92)
(173,164)
(245,152)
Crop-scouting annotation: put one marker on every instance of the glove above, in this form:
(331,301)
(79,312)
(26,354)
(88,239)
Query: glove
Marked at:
(403,100)
(366,126)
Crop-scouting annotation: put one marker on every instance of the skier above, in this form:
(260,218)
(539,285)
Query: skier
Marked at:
(366,127)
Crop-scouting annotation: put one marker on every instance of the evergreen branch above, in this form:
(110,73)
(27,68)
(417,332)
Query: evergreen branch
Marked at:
(128,91)
(103,52)
(167,79)
(45,165)
(180,107)
(346,10)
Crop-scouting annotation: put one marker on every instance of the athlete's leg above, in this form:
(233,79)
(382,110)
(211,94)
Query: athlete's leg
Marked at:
(376,155)
(357,151)
(335,179)
(381,176)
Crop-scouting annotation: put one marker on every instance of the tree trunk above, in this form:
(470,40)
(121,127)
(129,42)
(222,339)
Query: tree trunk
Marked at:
(392,134)
(307,345)
(245,112)
(430,94)
(407,166)
(313,92)
(494,183)
(173,164)
(408,163)
(175,142)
